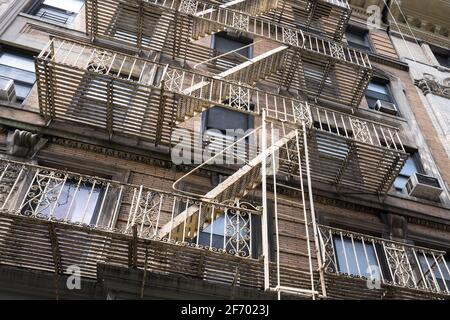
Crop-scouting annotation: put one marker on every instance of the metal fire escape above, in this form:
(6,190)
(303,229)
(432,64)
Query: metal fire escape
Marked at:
(171,79)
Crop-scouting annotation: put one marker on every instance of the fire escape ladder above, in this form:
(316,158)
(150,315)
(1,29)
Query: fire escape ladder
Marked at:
(308,285)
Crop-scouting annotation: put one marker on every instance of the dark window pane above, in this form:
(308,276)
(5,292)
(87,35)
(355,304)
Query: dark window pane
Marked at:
(58,11)
(443,59)
(66,5)
(52,14)
(73,200)
(371,102)
(378,88)
(354,257)
(17,74)
(22,90)
(314,75)
(441,272)
(411,167)
(223,119)
(400,182)
(17,60)
(223,43)
(358,39)
(217,227)
(378,91)
(18,67)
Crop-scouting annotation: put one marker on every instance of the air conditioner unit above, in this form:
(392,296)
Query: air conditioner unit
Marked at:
(422,186)
(386,107)
(7,90)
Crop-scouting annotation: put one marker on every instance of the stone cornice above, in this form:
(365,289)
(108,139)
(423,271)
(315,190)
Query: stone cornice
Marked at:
(421,35)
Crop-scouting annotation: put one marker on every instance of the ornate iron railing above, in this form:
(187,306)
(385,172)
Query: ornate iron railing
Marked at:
(132,81)
(381,261)
(133,75)
(124,94)
(96,203)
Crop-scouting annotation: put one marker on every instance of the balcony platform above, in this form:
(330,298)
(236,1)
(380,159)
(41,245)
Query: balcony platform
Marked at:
(316,65)
(329,18)
(29,244)
(123,94)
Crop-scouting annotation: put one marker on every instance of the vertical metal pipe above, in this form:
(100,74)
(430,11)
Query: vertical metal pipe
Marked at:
(116,209)
(198,222)
(313,214)
(305,215)
(161,201)
(275,199)
(265,220)
(345,253)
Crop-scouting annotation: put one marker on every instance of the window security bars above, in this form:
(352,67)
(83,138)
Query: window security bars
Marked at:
(391,263)
(80,200)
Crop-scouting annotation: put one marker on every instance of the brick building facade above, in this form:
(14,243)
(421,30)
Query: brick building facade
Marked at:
(357,210)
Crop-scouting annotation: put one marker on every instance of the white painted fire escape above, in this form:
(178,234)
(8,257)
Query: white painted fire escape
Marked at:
(292,153)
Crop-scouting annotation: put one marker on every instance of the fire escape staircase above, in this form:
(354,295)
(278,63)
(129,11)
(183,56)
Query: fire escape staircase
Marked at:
(192,92)
(234,187)
(249,72)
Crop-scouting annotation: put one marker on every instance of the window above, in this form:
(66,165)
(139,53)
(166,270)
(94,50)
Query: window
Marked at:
(223,119)
(314,75)
(224,42)
(69,197)
(217,234)
(213,233)
(443,57)
(224,127)
(60,11)
(76,203)
(358,38)
(354,256)
(440,270)
(378,90)
(412,166)
(18,67)
(121,29)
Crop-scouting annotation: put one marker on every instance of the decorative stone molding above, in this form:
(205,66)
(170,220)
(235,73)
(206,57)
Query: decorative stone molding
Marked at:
(111,152)
(429,84)
(441,39)
(23,144)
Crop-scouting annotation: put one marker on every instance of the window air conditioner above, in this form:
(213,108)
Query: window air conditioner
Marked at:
(386,107)
(422,186)
(7,90)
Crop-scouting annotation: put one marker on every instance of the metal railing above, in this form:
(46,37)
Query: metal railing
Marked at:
(96,203)
(388,262)
(207,14)
(135,78)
